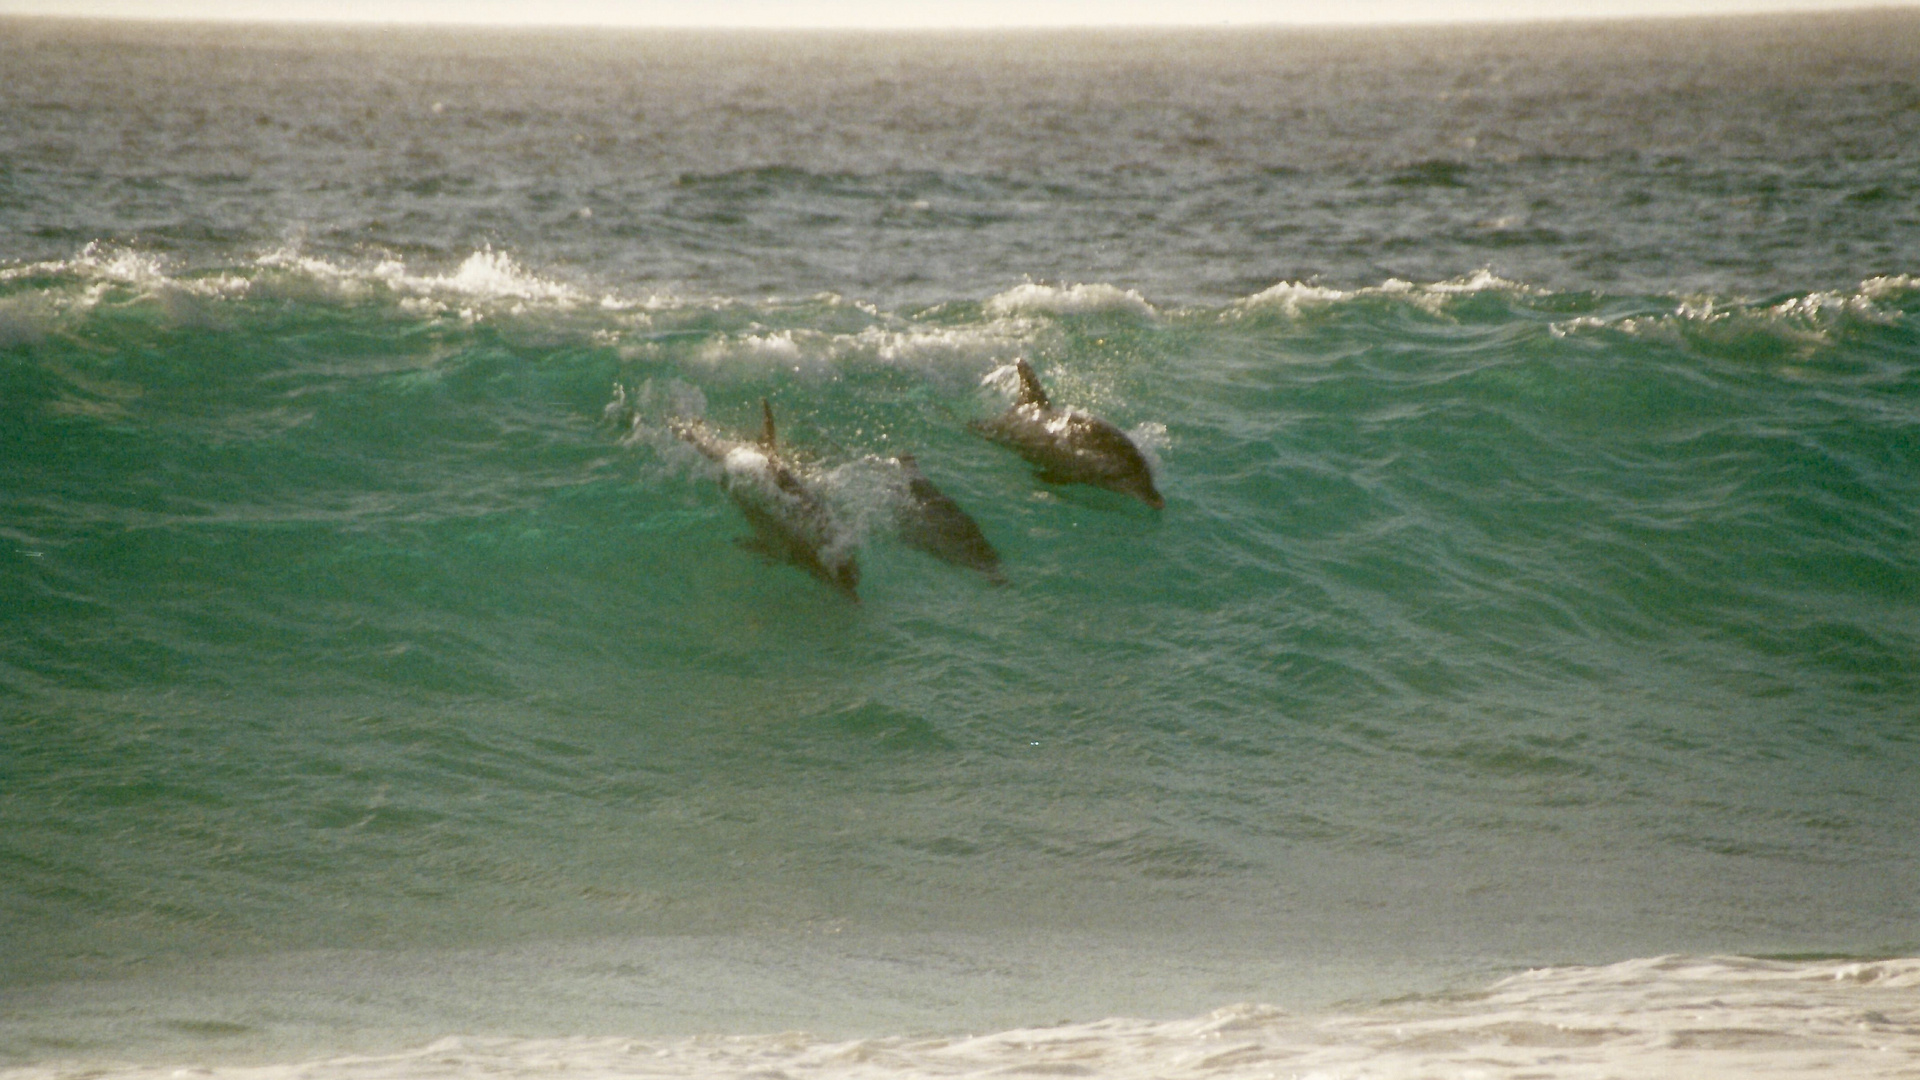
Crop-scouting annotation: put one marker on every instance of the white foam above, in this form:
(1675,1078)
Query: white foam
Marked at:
(1292,296)
(1564,327)
(1482,280)
(485,282)
(1664,1016)
(1005,378)
(916,345)
(1067,300)
(148,275)
(747,462)
(122,264)
(494,275)
(1878,288)
(1821,308)
(299,276)
(779,347)
(1806,321)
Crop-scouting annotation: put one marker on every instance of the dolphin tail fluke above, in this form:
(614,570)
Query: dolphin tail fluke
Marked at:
(1031,392)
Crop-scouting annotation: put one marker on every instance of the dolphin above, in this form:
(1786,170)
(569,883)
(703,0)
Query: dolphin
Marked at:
(790,518)
(1067,446)
(927,519)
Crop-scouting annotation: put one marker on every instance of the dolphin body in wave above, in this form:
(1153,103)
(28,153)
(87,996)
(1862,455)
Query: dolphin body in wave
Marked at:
(1068,446)
(927,519)
(791,520)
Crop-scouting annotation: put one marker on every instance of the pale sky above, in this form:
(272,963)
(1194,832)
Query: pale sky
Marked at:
(890,14)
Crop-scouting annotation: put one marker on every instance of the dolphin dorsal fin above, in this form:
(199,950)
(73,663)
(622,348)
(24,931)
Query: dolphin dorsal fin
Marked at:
(766,424)
(1031,392)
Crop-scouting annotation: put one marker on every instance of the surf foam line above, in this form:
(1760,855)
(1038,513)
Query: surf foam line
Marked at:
(1664,1016)
(490,284)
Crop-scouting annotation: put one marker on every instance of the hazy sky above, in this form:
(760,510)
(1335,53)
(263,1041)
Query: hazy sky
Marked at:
(902,13)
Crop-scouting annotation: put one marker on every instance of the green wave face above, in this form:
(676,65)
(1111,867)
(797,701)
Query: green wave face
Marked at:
(360,608)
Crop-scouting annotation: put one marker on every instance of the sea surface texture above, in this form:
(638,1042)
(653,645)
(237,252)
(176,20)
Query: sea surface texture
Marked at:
(1522,677)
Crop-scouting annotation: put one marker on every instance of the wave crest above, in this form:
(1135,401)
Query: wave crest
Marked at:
(1082,299)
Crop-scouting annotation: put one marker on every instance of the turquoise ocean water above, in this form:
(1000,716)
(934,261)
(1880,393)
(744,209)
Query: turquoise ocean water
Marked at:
(1523,674)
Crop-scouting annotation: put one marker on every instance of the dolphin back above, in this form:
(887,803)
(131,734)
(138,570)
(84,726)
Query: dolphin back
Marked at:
(931,521)
(700,437)
(1068,446)
(791,520)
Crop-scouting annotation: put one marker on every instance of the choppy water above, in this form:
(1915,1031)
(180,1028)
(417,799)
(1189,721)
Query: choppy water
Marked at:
(1537,411)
